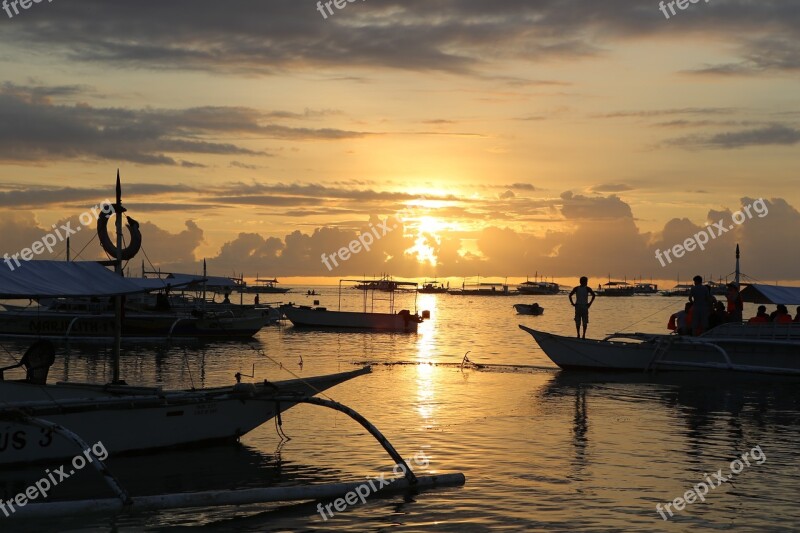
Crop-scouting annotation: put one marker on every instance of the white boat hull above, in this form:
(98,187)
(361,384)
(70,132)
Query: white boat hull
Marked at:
(302,316)
(142,420)
(712,352)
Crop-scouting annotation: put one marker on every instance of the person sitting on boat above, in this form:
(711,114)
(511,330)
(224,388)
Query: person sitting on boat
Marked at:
(782,315)
(227,299)
(718,315)
(761,316)
(797,316)
(681,321)
(700,296)
(735,303)
(582,304)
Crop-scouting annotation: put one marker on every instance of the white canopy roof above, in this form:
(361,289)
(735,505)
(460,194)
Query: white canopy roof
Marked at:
(771,294)
(33,279)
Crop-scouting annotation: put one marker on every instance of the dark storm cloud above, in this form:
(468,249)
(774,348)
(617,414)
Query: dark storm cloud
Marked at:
(34,127)
(459,36)
(775,134)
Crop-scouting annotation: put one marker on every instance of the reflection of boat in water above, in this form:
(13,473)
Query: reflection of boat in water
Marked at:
(529,309)
(263,286)
(433,287)
(367,318)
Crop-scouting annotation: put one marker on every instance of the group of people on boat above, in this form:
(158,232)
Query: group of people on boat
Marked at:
(704,312)
(780,315)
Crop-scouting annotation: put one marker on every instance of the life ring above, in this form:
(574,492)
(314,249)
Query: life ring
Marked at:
(105,241)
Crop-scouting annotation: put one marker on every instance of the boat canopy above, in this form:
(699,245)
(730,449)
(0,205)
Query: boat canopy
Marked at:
(35,279)
(771,294)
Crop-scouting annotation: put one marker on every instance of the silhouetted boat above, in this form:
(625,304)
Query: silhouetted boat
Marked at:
(529,309)
(264,286)
(367,319)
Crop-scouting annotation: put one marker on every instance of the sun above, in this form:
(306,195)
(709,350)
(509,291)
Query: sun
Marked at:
(427,231)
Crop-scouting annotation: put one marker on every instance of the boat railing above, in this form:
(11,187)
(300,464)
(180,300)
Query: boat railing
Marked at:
(768,330)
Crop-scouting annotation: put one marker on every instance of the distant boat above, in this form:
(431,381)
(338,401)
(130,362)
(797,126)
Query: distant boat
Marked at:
(482,289)
(383,284)
(367,319)
(433,287)
(529,309)
(616,288)
(264,286)
(681,290)
(645,288)
(538,287)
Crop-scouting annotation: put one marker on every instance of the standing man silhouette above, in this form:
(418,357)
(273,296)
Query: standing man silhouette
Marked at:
(582,304)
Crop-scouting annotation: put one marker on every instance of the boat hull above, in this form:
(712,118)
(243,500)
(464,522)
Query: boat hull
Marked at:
(528,309)
(59,325)
(672,353)
(302,316)
(130,419)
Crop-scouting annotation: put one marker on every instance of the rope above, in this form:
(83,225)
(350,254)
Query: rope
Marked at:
(260,351)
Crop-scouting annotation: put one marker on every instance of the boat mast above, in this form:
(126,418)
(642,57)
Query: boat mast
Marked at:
(737,265)
(118,269)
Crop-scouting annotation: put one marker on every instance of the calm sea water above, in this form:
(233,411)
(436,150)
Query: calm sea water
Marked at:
(542,450)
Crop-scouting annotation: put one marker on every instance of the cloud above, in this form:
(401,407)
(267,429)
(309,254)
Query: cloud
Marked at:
(452,36)
(775,135)
(34,128)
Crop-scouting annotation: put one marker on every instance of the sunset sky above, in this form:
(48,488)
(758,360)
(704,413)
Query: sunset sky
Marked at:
(510,136)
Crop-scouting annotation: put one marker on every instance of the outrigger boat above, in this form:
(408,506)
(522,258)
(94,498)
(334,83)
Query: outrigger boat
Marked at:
(769,348)
(263,286)
(538,287)
(367,319)
(41,422)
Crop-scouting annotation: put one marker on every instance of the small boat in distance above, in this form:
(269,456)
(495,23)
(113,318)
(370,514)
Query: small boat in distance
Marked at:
(529,309)
(264,286)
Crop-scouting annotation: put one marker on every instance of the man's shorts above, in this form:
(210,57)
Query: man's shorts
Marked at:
(581,314)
